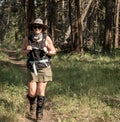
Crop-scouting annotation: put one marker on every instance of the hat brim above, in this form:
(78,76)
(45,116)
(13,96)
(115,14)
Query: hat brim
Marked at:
(44,27)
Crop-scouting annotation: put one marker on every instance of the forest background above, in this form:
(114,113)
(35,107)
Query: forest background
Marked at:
(86,34)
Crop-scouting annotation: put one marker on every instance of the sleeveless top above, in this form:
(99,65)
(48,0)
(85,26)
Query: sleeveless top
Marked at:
(37,55)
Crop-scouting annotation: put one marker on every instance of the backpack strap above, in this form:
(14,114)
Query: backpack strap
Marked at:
(44,40)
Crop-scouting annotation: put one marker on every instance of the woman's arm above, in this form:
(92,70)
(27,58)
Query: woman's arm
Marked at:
(50,47)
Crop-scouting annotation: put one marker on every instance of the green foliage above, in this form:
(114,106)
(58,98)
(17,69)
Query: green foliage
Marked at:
(3,56)
(12,90)
(11,27)
(85,75)
(85,88)
(82,84)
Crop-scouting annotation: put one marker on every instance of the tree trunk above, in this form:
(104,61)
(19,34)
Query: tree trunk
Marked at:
(25,2)
(46,11)
(85,12)
(108,27)
(117,24)
(52,17)
(63,20)
(78,28)
(71,27)
(30,12)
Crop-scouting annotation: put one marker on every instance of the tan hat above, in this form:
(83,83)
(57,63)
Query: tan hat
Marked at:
(38,22)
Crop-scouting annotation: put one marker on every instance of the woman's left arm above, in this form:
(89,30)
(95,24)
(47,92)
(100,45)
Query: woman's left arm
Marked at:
(50,47)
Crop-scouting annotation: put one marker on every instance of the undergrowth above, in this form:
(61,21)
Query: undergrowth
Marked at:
(12,91)
(85,88)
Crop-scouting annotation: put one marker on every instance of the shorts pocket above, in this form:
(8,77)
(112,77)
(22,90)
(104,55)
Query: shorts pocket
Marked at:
(48,71)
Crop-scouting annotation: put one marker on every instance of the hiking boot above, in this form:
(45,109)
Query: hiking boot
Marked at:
(32,109)
(40,107)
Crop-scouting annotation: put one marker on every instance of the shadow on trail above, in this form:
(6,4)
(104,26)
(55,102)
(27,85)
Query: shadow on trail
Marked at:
(12,70)
(13,79)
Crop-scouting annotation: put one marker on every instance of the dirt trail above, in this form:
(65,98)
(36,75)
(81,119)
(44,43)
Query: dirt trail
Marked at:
(48,112)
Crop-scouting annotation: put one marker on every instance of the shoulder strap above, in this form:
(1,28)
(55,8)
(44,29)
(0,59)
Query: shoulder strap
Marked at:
(44,36)
(44,39)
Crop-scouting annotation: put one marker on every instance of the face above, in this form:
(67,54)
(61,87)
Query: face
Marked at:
(37,29)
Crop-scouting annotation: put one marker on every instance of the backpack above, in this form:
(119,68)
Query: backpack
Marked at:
(37,58)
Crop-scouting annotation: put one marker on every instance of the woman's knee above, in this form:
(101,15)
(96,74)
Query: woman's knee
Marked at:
(41,86)
(32,89)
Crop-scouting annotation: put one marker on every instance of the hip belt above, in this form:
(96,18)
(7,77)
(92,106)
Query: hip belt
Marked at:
(40,61)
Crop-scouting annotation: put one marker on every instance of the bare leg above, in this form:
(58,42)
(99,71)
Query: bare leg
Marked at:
(41,87)
(32,99)
(32,88)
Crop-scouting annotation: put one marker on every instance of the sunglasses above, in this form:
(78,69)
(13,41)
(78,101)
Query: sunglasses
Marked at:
(35,27)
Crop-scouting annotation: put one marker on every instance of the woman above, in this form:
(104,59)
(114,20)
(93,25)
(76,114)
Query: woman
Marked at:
(39,48)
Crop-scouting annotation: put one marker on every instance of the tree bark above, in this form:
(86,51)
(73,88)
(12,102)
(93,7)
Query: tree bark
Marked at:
(108,27)
(117,24)
(63,20)
(30,12)
(78,28)
(25,3)
(71,27)
(84,13)
(52,17)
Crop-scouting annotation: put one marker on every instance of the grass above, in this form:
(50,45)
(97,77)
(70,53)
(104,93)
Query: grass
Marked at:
(12,90)
(85,89)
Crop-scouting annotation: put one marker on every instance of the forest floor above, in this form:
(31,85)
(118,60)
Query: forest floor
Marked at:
(90,92)
(48,112)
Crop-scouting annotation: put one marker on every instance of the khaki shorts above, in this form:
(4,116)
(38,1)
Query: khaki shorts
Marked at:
(44,75)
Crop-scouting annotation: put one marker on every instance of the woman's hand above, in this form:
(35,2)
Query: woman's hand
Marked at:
(29,47)
(45,50)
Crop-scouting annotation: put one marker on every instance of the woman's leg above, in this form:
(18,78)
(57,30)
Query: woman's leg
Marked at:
(32,88)
(41,87)
(32,99)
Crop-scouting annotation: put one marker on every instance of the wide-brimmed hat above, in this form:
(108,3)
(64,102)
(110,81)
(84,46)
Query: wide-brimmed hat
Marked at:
(38,22)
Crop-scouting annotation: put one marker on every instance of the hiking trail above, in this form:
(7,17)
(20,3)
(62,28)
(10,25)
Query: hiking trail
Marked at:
(48,112)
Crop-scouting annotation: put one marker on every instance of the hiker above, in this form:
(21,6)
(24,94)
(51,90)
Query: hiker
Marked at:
(39,48)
